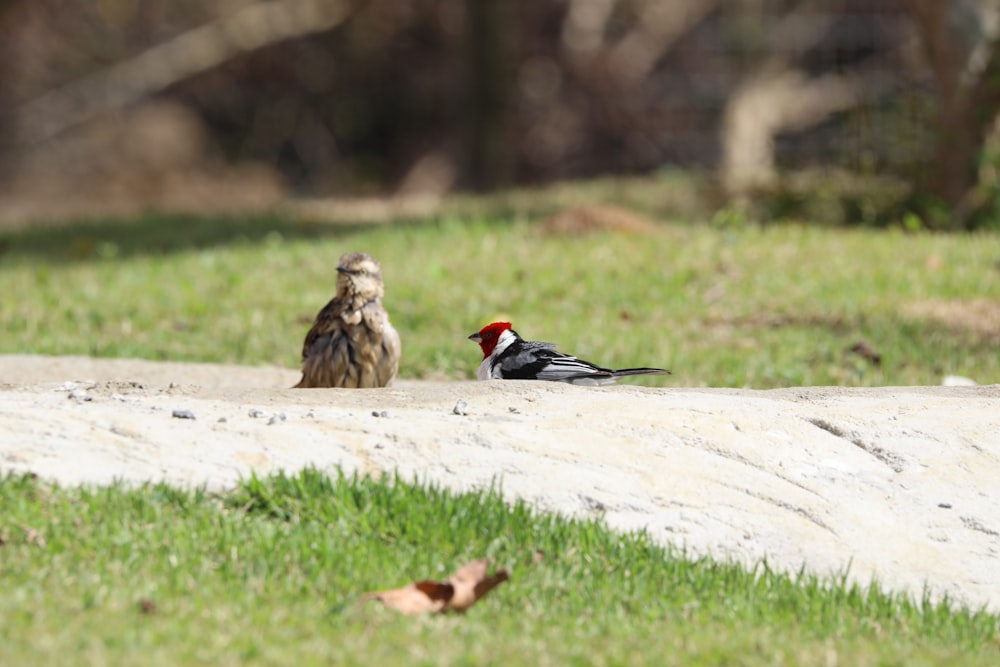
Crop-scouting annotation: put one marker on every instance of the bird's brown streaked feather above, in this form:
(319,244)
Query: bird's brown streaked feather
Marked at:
(351,343)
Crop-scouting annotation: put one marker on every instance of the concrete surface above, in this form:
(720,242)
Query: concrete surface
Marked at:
(898,483)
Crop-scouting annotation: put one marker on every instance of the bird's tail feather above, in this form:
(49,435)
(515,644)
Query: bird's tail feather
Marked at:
(641,371)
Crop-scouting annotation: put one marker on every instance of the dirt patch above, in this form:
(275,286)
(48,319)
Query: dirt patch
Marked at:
(980,317)
(597,218)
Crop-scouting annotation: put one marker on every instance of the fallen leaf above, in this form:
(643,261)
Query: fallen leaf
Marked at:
(418,598)
(462,590)
(471,583)
(864,349)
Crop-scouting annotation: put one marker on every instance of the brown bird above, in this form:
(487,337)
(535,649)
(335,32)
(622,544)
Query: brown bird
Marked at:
(352,343)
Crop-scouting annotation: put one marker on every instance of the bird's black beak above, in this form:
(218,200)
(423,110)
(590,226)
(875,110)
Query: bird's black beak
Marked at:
(476,337)
(349,272)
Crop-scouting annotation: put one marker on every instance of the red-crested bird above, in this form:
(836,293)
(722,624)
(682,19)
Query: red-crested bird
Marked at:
(507,356)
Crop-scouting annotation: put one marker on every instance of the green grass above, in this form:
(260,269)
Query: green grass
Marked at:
(754,306)
(270,573)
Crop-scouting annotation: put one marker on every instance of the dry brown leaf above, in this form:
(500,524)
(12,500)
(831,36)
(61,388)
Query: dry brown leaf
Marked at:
(471,583)
(417,598)
(864,349)
(462,590)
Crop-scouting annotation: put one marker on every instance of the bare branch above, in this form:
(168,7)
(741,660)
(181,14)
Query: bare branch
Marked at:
(774,101)
(583,27)
(660,25)
(195,51)
(964,54)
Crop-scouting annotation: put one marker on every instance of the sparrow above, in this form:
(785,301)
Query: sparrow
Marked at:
(507,356)
(351,343)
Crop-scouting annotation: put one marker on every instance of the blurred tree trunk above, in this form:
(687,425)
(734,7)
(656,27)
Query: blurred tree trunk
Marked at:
(780,96)
(8,23)
(967,78)
(489,152)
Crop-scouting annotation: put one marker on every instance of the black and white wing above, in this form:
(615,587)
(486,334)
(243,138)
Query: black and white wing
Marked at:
(524,360)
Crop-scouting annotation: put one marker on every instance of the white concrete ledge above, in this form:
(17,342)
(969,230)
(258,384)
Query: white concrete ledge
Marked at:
(898,483)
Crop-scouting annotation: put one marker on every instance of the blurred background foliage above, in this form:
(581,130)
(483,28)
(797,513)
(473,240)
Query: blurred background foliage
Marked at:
(837,111)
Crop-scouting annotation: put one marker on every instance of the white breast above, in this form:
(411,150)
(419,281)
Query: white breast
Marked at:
(484,369)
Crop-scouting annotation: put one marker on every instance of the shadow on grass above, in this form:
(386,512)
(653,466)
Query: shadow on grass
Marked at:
(157,234)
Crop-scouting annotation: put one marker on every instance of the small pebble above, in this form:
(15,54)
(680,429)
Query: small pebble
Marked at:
(944,506)
(514,410)
(183,414)
(70,385)
(222,420)
(383,413)
(80,395)
(257,413)
(275,418)
(461,408)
